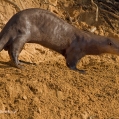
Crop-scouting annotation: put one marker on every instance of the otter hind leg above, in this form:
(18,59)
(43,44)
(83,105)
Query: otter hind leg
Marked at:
(14,50)
(14,58)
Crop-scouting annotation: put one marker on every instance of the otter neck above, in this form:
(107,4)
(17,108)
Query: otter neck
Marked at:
(95,47)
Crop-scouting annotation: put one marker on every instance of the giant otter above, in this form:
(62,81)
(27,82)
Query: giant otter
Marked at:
(43,27)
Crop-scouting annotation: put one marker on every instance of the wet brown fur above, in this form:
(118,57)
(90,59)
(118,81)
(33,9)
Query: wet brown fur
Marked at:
(43,27)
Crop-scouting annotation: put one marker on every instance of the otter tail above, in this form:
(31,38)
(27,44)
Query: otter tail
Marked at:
(3,40)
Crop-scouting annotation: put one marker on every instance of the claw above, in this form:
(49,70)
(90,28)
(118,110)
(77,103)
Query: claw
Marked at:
(81,71)
(19,65)
(75,69)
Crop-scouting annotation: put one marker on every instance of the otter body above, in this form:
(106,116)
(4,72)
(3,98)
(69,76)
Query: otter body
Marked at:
(43,27)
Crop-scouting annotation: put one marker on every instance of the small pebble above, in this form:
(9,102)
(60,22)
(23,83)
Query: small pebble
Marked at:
(24,97)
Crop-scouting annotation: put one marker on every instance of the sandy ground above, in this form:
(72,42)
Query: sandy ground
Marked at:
(46,89)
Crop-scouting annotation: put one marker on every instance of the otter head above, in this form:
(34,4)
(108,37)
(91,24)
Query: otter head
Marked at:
(111,46)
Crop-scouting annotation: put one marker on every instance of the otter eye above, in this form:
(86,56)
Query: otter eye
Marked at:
(110,43)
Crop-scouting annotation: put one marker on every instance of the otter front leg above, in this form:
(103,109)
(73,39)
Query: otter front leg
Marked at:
(72,57)
(72,62)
